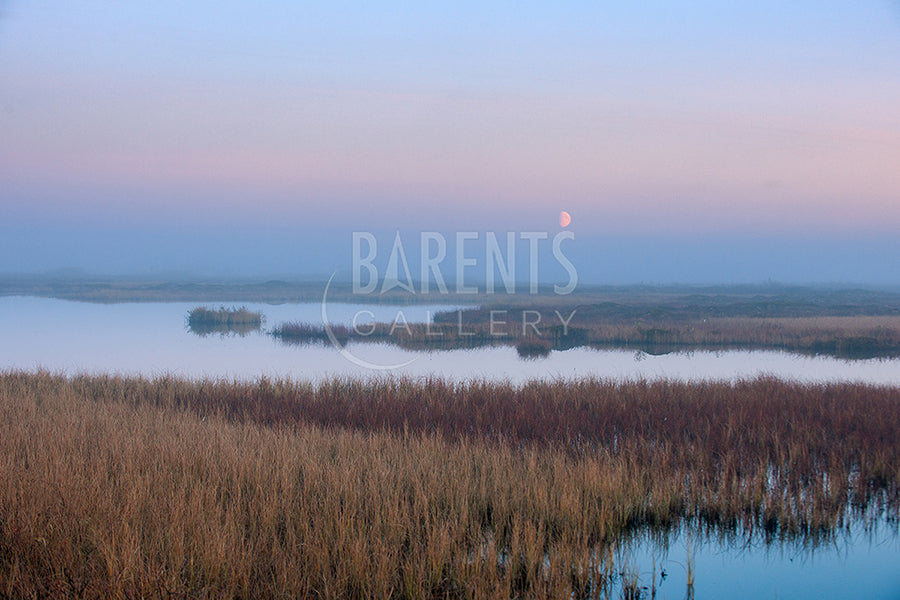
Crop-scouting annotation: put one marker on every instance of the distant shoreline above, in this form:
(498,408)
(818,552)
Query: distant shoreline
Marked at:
(820,299)
(833,320)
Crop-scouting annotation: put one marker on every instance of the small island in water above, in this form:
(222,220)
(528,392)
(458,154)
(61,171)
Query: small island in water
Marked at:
(240,321)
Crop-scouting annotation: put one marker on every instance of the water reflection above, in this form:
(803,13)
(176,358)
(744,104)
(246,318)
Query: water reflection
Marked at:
(241,321)
(151,338)
(854,562)
(533,348)
(441,331)
(688,562)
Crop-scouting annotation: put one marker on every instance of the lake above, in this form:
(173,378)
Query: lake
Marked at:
(855,564)
(153,338)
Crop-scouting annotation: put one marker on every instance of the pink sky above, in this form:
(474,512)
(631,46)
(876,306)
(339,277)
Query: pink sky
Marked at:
(765,119)
(823,157)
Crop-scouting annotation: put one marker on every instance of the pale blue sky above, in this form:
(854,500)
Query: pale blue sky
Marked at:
(690,121)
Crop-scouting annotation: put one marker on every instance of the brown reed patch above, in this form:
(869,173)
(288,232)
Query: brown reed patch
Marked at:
(843,337)
(241,321)
(128,487)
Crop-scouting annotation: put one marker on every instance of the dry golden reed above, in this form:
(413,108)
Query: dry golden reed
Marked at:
(129,487)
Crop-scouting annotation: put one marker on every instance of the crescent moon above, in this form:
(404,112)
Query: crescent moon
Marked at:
(564,219)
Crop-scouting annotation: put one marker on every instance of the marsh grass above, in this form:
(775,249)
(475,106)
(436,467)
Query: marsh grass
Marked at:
(133,487)
(855,337)
(533,347)
(297,333)
(241,321)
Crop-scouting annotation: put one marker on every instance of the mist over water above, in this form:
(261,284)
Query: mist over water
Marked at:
(258,252)
(153,339)
(172,147)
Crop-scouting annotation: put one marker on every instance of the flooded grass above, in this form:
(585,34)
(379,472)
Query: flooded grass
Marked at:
(856,337)
(222,320)
(533,347)
(128,487)
(306,333)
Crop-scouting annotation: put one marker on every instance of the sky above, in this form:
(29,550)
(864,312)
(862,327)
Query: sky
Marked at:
(690,142)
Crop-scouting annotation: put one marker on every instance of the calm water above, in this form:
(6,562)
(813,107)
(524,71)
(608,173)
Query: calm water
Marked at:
(858,565)
(152,338)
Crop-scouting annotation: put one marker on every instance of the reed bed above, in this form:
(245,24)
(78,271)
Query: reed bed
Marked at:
(204,321)
(304,333)
(844,337)
(533,347)
(858,336)
(131,487)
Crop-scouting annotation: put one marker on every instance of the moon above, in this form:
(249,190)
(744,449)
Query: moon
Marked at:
(564,219)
